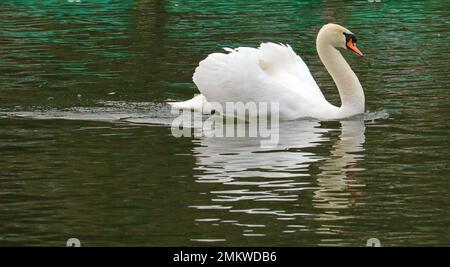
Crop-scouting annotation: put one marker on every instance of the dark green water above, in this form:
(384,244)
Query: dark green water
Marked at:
(83,153)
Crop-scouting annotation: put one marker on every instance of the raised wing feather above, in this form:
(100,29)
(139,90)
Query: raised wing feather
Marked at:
(279,58)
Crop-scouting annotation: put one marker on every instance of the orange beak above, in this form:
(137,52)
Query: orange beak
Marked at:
(352,46)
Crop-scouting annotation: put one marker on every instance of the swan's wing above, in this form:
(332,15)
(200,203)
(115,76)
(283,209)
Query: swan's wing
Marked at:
(271,73)
(284,66)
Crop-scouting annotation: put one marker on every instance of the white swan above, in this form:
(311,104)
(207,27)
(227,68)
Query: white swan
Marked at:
(274,73)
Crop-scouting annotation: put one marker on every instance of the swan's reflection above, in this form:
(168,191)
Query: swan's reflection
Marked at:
(336,184)
(254,180)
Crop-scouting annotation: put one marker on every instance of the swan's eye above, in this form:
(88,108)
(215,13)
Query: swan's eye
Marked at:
(349,36)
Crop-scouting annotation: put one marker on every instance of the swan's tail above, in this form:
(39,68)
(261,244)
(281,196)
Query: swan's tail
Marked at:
(197,103)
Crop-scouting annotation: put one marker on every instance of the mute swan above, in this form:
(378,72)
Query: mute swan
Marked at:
(274,73)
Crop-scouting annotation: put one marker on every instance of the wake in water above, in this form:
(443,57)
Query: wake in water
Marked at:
(131,112)
(110,111)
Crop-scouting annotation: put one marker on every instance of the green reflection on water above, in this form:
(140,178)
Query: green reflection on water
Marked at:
(118,183)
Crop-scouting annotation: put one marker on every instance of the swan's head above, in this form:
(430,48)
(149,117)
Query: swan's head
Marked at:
(338,37)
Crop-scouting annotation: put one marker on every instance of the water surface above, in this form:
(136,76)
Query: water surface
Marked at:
(86,150)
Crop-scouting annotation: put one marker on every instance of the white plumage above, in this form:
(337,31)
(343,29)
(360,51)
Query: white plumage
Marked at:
(270,73)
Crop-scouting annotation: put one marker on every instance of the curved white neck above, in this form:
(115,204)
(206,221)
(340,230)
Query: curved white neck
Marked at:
(350,89)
